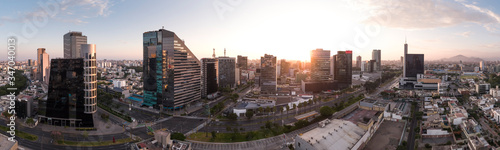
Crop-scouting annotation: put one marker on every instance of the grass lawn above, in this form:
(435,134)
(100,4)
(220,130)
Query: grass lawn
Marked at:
(230,137)
(94,143)
(21,134)
(469,77)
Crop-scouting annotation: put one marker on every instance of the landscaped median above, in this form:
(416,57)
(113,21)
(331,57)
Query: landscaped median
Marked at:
(94,143)
(108,109)
(238,134)
(21,134)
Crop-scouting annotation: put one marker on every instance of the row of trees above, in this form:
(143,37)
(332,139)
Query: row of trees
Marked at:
(274,110)
(494,80)
(372,86)
(20,82)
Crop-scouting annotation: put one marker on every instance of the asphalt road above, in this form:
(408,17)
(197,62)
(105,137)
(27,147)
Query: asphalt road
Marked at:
(256,122)
(41,145)
(138,114)
(411,135)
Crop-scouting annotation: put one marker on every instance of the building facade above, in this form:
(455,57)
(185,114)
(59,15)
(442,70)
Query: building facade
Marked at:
(72,44)
(268,74)
(358,62)
(284,68)
(171,71)
(413,69)
(209,85)
(343,68)
(242,62)
(377,56)
(226,71)
(414,65)
(43,66)
(320,65)
(88,53)
(65,104)
(242,65)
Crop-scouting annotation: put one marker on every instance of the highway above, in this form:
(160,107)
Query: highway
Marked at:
(44,143)
(256,122)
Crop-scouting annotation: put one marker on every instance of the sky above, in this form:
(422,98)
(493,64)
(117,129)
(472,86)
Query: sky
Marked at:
(288,29)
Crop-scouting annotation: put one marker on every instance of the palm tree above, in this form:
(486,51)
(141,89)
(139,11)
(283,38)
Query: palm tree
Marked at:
(281,112)
(301,105)
(287,109)
(260,109)
(274,112)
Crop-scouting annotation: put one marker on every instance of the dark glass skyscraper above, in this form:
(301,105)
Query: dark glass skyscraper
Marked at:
(414,65)
(226,72)
(208,76)
(343,68)
(171,71)
(65,105)
(377,56)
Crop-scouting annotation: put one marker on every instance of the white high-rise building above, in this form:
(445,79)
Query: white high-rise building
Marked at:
(88,53)
(43,65)
(119,83)
(481,65)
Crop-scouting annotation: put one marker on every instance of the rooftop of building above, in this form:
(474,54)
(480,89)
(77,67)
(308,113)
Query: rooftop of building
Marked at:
(340,134)
(430,80)
(361,115)
(5,143)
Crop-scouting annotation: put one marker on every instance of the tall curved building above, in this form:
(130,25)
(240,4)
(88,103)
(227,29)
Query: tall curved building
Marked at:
(171,71)
(88,54)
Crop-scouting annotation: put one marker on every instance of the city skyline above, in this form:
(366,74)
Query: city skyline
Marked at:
(471,29)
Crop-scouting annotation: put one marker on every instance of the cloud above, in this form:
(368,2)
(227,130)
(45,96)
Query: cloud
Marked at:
(464,34)
(72,11)
(426,14)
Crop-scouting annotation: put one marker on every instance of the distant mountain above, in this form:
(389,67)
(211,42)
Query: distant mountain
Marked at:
(462,58)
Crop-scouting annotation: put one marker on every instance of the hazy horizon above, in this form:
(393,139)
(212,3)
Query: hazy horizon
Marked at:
(286,29)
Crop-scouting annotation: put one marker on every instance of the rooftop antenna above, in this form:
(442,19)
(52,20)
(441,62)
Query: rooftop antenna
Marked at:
(405,39)
(213,55)
(162,27)
(224,52)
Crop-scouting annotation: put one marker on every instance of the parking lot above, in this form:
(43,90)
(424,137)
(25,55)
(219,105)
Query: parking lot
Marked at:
(387,136)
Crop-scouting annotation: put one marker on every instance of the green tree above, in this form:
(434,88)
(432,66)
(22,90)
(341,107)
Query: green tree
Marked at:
(326,111)
(232,116)
(30,121)
(260,109)
(6,114)
(178,136)
(85,134)
(214,134)
(249,114)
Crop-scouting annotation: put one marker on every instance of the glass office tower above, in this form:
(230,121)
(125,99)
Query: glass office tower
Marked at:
(171,71)
(343,68)
(65,105)
(320,65)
